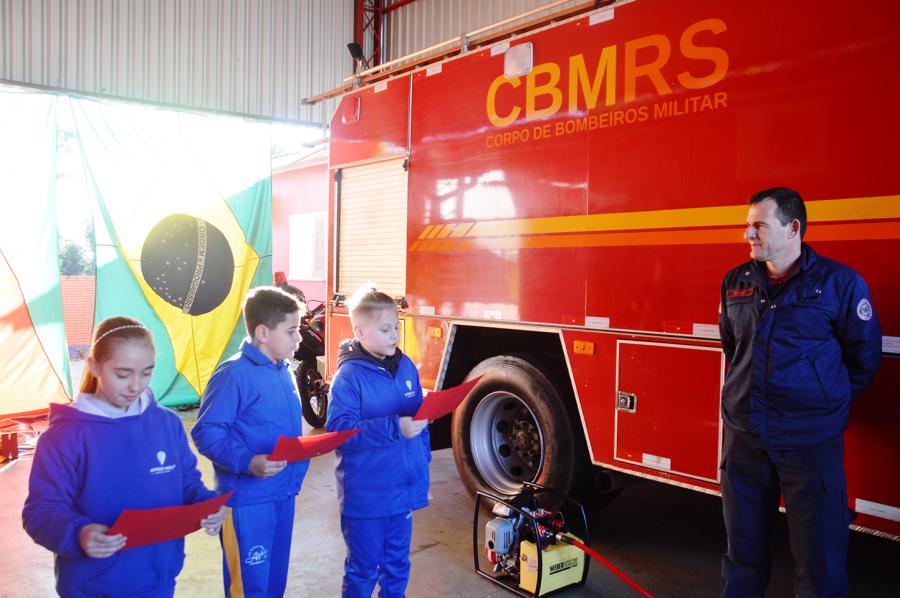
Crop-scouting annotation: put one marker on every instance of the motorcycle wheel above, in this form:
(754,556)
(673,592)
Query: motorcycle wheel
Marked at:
(313,394)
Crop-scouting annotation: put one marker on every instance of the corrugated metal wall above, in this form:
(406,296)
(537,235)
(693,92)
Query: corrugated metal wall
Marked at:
(257,57)
(424,23)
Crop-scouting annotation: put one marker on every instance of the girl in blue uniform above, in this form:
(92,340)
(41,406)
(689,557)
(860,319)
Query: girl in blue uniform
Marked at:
(113,448)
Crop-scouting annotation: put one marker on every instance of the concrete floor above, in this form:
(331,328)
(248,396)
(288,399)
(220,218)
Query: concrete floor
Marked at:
(669,540)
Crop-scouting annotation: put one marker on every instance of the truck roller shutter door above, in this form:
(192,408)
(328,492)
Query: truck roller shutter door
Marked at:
(372,227)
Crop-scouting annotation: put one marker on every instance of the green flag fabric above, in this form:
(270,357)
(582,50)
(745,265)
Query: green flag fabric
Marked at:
(182,217)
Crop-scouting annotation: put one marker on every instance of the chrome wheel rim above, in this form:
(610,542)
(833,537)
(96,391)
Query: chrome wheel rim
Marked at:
(507,442)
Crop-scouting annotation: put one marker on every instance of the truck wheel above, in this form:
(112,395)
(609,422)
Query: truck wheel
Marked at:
(512,427)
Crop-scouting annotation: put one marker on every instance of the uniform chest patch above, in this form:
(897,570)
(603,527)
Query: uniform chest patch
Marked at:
(163,468)
(735,293)
(864,309)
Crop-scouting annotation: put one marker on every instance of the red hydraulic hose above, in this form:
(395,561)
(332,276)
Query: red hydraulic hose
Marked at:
(606,564)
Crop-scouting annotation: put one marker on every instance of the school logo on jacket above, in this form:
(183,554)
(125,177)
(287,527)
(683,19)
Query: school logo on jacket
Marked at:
(410,392)
(256,555)
(163,468)
(864,310)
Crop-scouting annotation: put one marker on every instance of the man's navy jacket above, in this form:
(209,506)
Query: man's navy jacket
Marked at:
(797,356)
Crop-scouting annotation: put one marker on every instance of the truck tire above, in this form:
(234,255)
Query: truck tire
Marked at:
(512,427)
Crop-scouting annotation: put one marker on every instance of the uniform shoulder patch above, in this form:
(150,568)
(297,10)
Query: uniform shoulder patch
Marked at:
(864,309)
(735,293)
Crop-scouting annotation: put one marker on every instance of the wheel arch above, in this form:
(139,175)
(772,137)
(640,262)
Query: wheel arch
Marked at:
(470,344)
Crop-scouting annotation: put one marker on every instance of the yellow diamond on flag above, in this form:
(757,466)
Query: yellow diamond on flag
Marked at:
(184,265)
(182,218)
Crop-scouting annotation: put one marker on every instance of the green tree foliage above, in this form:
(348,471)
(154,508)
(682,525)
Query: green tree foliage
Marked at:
(90,260)
(77,258)
(71,259)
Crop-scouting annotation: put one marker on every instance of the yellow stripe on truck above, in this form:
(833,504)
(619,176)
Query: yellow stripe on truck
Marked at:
(864,208)
(860,219)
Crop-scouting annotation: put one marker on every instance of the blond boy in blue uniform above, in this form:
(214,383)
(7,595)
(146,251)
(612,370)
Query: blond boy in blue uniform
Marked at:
(382,472)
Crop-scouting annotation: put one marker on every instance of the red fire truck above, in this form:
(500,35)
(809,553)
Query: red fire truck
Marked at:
(555,210)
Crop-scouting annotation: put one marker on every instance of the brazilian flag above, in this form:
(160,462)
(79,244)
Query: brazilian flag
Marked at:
(183,222)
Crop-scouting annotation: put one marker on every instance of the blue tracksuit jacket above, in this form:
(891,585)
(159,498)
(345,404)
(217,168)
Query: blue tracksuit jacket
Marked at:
(249,402)
(379,472)
(797,356)
(87,469)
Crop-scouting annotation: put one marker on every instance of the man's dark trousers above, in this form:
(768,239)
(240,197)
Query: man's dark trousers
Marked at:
(814,487)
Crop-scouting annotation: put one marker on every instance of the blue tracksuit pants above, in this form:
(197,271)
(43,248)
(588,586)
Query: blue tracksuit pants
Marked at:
(812,482)
(256,549)
(377,551)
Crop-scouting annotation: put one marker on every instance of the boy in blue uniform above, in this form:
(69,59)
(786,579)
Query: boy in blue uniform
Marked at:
(249,402)
(382,472)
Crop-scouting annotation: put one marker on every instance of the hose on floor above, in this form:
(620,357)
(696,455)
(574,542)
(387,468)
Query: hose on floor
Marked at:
(616,571)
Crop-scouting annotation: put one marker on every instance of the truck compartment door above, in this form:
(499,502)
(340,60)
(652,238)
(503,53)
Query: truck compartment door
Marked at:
(667,407)
(371,228)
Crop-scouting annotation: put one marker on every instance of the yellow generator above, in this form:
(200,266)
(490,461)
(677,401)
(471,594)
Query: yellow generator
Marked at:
(526,548)
(562,566)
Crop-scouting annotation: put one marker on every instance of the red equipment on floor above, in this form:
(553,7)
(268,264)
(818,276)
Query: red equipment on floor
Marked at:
(533,550)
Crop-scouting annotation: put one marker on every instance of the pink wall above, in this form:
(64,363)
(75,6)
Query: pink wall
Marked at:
(78,308)
(297,191)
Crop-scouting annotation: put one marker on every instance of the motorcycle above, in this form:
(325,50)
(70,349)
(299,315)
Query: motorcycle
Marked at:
(312,387)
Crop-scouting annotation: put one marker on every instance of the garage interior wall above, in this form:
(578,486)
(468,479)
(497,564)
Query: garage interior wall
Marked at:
(300,192)
(240,56)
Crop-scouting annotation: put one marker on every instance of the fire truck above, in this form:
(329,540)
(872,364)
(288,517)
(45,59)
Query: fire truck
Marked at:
(554,210)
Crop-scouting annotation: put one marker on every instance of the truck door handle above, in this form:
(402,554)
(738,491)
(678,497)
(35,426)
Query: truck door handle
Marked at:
(626,401)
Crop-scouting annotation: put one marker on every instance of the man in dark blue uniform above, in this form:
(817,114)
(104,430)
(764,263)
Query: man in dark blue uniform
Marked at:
(801,340)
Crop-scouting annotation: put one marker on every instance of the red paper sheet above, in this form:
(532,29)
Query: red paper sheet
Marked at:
(306,447)
(440,403)
(151,526)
